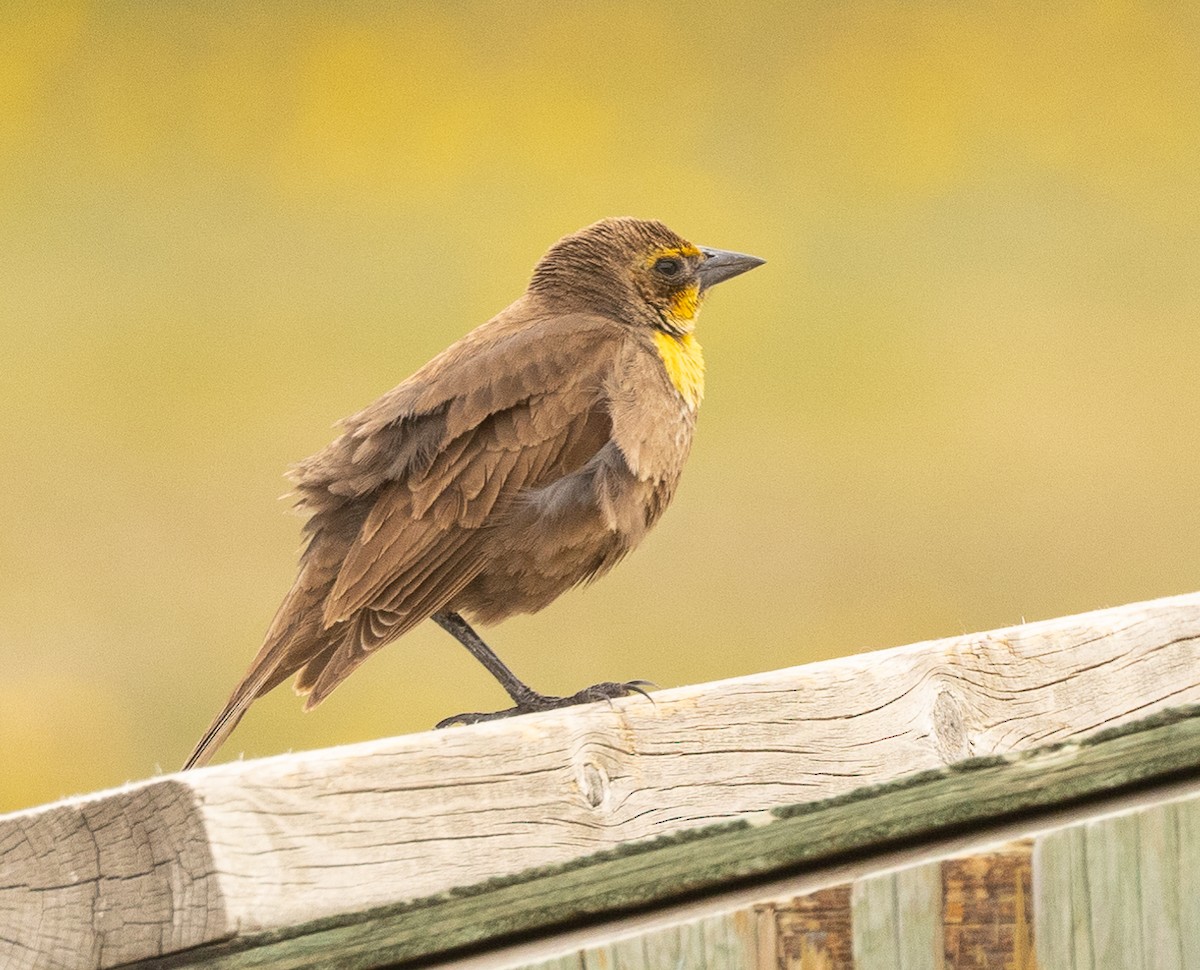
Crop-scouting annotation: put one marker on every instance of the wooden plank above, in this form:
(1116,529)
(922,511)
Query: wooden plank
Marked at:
(1120,891)
(668,947)
(896,919)
(69,875)
(787,839)
(1024,946)
(975,908)
(919,917)
(986,906)
(573,961)
(986,911)
(1187,821)
(808,932)
(1156,878)
(969,912)
(723,942)
(286,842)
(727,945)
(1061,914)
(873,919)
(1111,861)
(776,895)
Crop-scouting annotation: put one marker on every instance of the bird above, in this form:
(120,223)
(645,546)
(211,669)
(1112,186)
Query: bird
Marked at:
(527,458)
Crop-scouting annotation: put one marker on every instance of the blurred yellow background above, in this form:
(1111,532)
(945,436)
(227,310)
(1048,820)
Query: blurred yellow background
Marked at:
(962,392)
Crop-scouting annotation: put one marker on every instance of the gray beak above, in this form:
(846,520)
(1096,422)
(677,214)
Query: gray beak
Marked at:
(721,264)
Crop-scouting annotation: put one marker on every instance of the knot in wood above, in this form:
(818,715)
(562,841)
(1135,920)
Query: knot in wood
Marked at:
(593,783)
(949,728)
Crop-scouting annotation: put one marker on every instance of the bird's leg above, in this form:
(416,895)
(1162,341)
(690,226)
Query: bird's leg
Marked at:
(525,698)
(460,629)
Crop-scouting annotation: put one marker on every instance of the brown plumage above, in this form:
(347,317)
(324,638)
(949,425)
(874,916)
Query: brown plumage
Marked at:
(528,457)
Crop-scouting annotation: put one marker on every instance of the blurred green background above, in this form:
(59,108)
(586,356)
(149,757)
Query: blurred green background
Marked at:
(962,392)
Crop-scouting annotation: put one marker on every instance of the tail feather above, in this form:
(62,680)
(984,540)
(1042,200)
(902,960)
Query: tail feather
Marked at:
(221,727)
(294,638)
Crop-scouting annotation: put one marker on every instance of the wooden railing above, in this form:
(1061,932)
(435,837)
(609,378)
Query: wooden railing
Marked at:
(714,817)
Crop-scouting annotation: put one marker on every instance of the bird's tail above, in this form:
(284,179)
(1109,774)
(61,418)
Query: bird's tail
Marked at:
(295,637)
(222,725)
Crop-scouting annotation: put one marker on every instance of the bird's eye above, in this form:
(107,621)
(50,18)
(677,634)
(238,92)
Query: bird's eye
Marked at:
(667,266)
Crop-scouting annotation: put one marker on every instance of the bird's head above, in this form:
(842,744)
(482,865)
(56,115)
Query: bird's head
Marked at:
(636,270)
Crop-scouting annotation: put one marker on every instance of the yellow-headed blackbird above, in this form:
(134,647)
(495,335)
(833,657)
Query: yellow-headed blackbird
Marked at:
(528,457)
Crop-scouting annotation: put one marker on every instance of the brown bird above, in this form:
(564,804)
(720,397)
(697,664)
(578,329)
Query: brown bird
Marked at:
(527,458)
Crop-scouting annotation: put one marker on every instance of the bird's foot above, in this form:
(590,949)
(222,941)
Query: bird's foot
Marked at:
(534,701)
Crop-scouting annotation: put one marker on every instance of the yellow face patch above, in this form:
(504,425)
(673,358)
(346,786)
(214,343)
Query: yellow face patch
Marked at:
(687,251)
(684,361)
(684,306)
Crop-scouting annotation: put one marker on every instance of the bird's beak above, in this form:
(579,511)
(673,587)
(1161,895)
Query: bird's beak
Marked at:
(721,264)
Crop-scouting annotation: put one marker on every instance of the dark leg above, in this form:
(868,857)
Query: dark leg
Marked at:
(461,630)
(524,697)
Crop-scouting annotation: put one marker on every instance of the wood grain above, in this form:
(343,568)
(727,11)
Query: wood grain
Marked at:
(896,919)
(1120,891)
(105,880)
(793,839)
(976,909)
(250,848)
(987,910)
(808,932)
(724,942)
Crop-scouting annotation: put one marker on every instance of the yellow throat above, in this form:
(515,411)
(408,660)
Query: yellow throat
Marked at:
(684,362)
(680,351)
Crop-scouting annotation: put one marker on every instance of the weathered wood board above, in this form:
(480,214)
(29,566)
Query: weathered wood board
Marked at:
(811,932)
(264,847)
(987,910)
(961,912)
(968,912)
(792,838)
(896,920)
(1108,891)
(1121,892)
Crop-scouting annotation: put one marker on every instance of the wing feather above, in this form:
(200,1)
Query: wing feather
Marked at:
(536,439)
(371,628)
(399,503)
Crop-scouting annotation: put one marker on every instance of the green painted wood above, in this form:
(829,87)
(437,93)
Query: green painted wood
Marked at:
(597,958)
(788,840)
(873,919)
(572,962)
(1112,864)
(896,919)
(1061,918)
(1158,875)
(1078,897)
(1121,892)
(691,946)
(919,917)
(728,945)
(664,949)
(628,954)
(722,942)
(1187,824)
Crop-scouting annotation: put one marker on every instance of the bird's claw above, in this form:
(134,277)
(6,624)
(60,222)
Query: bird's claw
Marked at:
(607,691)
(476,718)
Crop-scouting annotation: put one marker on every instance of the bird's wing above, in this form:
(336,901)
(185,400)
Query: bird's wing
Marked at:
(417,525)
(424,539)
(399,501)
